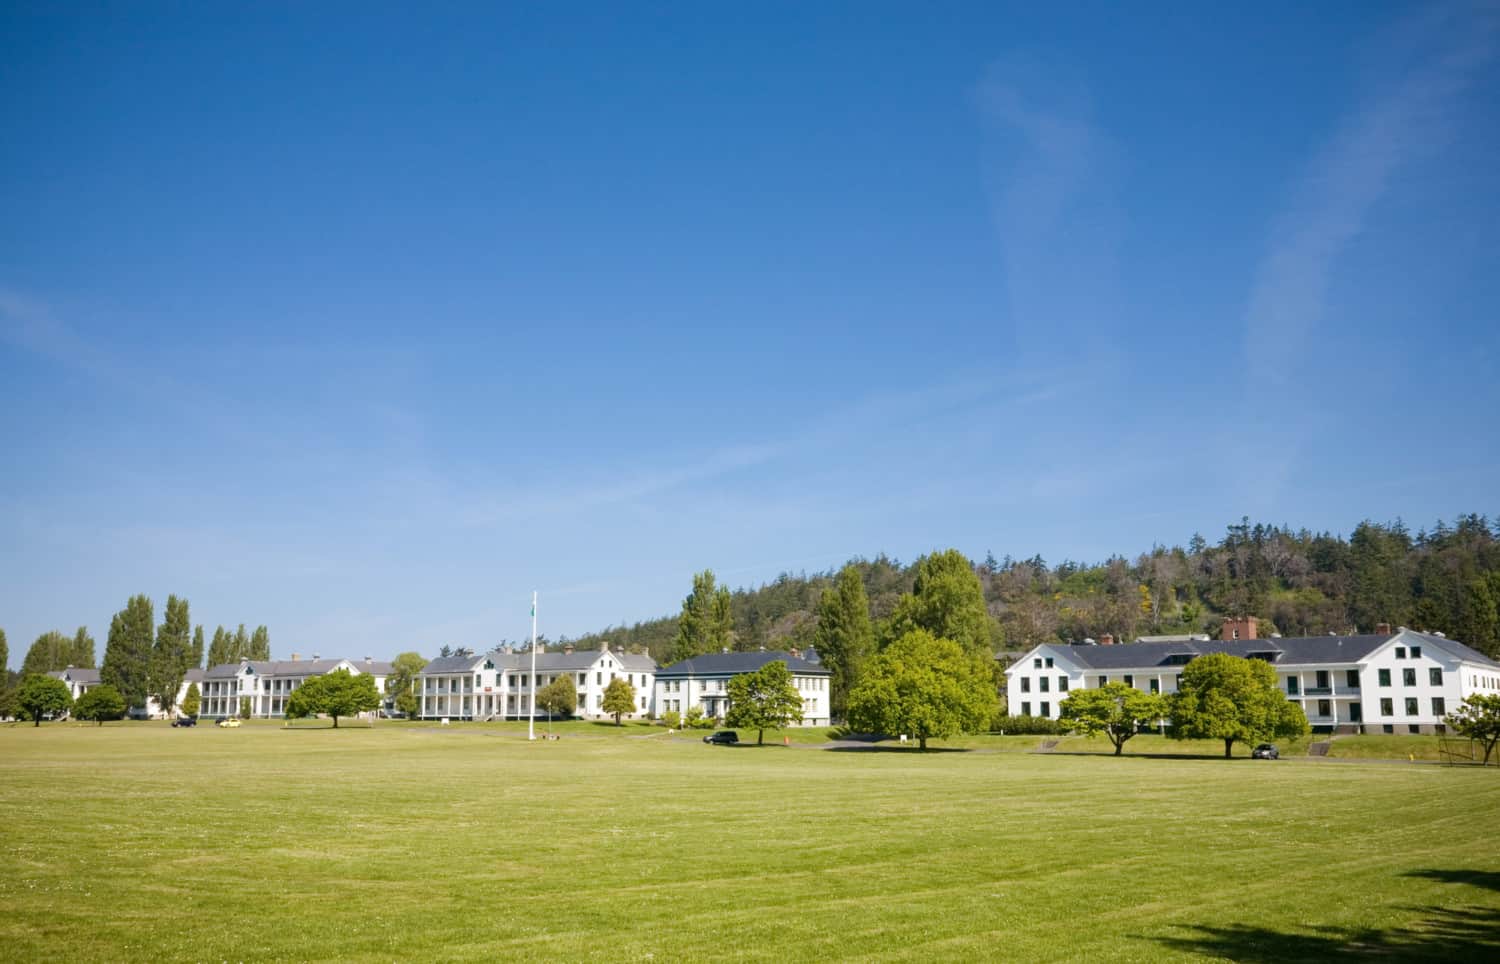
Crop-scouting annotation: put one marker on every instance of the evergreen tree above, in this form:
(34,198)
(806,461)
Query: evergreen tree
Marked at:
(260,644)
(4,659)
(127,652)
(198,647)
(845,637)
(218,651)
(83,649)
(172,654)
(50,652)
(192,701)
(706,620)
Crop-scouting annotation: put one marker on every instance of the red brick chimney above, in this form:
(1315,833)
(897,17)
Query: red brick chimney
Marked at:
(1382,629)
(1108,639)
(1238,627)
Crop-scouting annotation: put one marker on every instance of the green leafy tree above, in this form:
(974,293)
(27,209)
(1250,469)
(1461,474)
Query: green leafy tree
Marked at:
(558,698)
(192,701)
(764,700)
(672,720)
(1478,718)
(244,713)
(220,650)
(845,636)
(400,685)
(926,687)
(239,645)
(100,703)
(619,698)
(82,649)
(50,652)
(1116,710)
(1233,699)
(260,644)
(335,694)
(172,654)
(198,651)
(127,653)
(947,601)
(41,696)
(706,623)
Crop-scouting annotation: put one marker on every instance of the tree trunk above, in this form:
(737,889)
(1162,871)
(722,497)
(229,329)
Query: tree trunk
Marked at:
(335,722)
(922,743)
(37,721)
(760,737)
(1119,746)
(1227,745)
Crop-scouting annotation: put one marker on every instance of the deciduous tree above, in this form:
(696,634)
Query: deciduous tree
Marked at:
(41,696)
(335,694)
(559,697)
(219,651)
(926,687)
(845,636)
(198,651)
(619,698)
(260,644)
(1478,718)
(100,703)
(50,652)
(399,685)
(1115,710)
(172,654)
(127,652)
(1230,698)
(764,700)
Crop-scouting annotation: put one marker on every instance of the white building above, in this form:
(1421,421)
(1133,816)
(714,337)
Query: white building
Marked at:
(499,685)
(80,681)
(268,683)
(703,681)
(1401,682)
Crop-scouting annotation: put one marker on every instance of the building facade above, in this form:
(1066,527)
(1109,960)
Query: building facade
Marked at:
(268,683)
(703,681)
(1399,682)
(500,684)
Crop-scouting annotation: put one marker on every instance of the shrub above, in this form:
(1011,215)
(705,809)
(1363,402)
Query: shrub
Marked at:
(672,720)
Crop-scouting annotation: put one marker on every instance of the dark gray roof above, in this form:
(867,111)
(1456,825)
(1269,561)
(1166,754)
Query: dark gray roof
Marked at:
(547,661)
(194,675)
(1292,650)
(294,667)
(77,675)
(732,664)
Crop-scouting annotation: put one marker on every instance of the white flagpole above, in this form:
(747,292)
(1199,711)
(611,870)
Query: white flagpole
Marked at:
(531,703)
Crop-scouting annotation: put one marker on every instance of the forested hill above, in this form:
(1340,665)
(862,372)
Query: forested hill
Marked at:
(1298,583)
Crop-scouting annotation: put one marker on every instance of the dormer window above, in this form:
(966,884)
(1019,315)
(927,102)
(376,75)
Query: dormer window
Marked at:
(1400,652)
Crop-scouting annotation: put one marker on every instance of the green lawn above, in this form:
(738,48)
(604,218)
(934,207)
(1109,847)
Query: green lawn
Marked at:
(415,842)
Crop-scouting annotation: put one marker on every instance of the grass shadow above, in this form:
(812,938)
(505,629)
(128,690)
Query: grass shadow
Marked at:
(874,748)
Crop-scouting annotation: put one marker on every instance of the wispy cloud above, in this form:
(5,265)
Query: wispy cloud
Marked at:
(1350,174)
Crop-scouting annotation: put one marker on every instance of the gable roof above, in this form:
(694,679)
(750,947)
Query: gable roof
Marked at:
(294,667)
(733,664)
(76,674)
(547,661)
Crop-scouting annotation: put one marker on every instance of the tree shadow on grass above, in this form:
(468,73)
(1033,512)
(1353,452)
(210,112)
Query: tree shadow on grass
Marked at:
(913,748)
(1127,755)
(1440,933)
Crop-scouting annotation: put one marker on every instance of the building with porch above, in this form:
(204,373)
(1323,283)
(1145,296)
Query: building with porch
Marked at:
(268,683)
(703,681)
(500,684)
(1391,682)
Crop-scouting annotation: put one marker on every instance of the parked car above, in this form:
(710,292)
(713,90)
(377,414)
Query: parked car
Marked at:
(723,738)
(231,721)
(185,721)
(1265,751)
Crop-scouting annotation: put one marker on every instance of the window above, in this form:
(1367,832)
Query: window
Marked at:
(1036,663)
(476,680)
(1387,728)
(1322,679)
(1355,714)
(1049,662)
(1291,686)
(1416,652)
(1043,682)
(583,679)
(1155,685)
(1385,706)
(1438,707)
(1104,681)
(1325,707)
(1400,652)
(1025,709)
(1062,684)
(1411,706)
(1129,680)
(1351,678)
(1026,684)
(598,679)
(1385,677)
(1046,708)
(1435,675)
(1408,677)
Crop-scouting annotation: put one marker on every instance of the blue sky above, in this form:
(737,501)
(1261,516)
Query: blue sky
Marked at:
(365,324)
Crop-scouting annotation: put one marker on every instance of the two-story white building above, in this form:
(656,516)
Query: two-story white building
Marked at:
(703,681)
(1400,682)
(80,681)
(501,685)
(268,683)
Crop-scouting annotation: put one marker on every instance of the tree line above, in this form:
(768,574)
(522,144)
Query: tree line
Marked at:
(1297,582)
(141,658)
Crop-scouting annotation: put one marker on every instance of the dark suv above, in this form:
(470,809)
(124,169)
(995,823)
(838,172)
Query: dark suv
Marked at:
(185,721)
(723,738)
(1266,751)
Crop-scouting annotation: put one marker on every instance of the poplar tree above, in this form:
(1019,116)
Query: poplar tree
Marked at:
(218,651)
(83,649)
(198,646)
(127,652)
(844,637)
(706,623)
(172,654)
(239,646)
(260,644)
(4,659)
(50,652)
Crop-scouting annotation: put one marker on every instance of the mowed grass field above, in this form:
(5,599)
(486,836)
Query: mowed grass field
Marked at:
(414,842)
